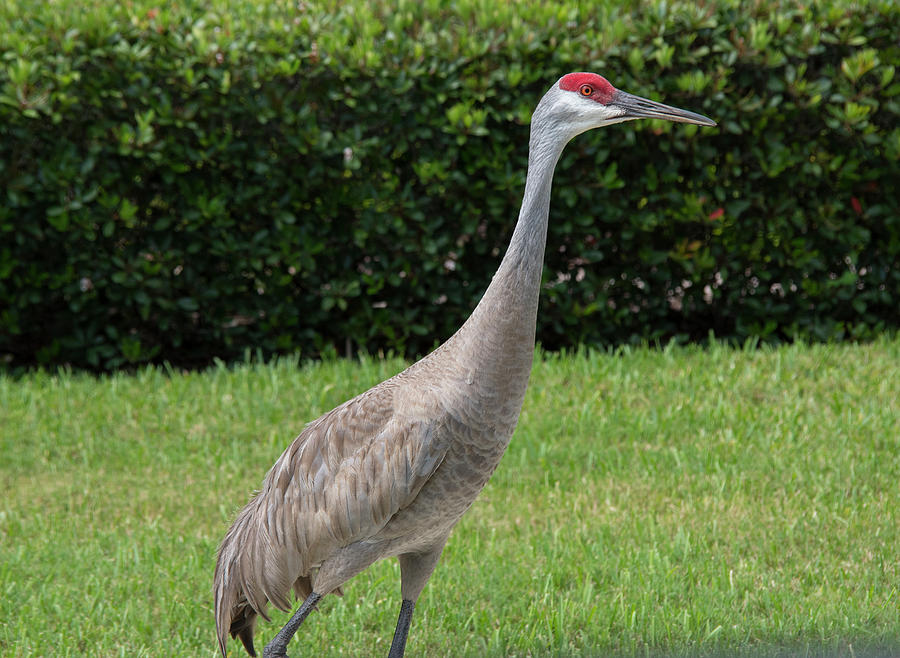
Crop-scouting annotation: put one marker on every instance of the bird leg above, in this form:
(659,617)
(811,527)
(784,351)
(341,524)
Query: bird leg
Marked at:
(398,646)
(415,570)
(277,648)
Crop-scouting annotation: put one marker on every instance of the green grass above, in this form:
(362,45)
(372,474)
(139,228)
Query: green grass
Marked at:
(677,502)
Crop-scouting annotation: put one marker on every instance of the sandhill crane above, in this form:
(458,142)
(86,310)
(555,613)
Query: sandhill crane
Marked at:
(391,471)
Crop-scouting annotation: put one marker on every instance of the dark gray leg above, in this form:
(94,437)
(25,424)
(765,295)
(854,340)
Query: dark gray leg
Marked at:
(398,646)
(277,648)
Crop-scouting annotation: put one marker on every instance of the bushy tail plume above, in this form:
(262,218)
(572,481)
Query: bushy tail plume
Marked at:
(254,569)
(234,612)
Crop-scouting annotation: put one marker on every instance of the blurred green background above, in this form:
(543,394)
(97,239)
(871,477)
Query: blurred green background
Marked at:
(196,180)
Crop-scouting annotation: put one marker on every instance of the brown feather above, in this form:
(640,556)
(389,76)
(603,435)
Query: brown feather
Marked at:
(333,486)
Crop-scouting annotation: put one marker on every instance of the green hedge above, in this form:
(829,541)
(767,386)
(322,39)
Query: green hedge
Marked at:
(190,183)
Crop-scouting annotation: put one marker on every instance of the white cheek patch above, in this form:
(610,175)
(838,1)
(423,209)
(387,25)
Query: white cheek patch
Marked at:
(585,114)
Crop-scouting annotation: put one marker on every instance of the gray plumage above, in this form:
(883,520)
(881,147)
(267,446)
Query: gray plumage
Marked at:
(391,471)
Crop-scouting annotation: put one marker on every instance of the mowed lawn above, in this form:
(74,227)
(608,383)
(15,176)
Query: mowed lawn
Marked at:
(677,501)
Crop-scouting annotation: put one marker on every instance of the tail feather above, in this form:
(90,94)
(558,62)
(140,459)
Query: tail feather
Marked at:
(242,627)
(257,565)
(239,597)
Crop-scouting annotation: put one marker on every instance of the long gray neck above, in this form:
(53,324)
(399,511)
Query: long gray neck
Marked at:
(502,326)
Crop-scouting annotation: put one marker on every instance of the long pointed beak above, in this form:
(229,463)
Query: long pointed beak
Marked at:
(641,108)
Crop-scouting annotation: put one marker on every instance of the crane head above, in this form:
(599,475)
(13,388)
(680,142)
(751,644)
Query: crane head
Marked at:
(582,101)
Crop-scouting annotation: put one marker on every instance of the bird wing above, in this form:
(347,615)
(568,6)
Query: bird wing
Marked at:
(340,481)
(358,465)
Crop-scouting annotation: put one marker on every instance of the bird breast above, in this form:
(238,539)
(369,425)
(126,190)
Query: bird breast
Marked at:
(474,427)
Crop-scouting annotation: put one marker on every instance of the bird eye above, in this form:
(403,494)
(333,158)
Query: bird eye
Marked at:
(586,90)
